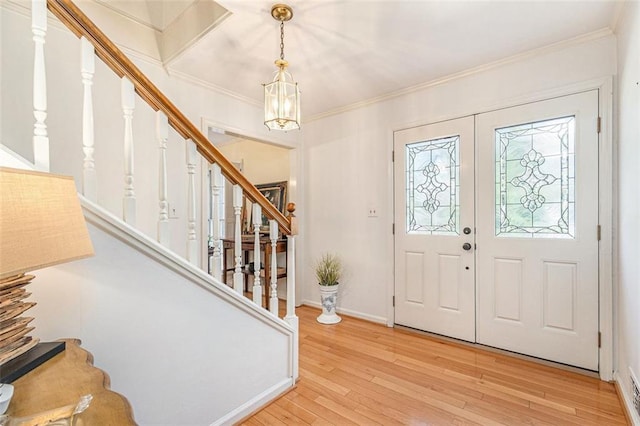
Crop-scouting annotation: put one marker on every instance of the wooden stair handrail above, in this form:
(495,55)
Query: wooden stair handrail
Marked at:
(74,19)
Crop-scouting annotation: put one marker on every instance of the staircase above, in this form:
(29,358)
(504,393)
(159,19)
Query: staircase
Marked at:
(181,345)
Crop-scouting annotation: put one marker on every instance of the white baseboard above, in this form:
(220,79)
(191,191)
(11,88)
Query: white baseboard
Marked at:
(351,313)
(255,404)
(626,399)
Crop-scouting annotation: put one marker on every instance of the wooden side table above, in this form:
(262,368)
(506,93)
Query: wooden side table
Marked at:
(62,381)
(248,245)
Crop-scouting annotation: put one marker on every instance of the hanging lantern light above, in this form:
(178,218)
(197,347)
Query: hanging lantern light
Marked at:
(281,96)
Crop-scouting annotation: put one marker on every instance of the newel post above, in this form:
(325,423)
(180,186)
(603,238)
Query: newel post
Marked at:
(273,237)
(291,317)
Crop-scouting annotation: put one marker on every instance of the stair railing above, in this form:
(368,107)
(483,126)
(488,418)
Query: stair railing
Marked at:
(72,17)
(133,81)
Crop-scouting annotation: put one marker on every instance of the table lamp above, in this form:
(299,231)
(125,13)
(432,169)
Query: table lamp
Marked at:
(41,224)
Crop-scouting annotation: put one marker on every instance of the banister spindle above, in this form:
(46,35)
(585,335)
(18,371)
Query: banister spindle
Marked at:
(257,221)
(40,138)
(162,134)
(238,278)
(87,70)
(128,96)
(216,260)
(192,240)
(273,236)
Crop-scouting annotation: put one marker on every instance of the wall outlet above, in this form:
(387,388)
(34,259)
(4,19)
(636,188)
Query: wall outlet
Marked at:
(172,212)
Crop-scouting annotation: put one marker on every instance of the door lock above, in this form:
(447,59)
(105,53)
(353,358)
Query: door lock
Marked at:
(466,246)
(466,230)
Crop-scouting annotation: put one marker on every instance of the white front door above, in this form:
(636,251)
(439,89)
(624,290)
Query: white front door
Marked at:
(434,282)
(537,217)
(530,285)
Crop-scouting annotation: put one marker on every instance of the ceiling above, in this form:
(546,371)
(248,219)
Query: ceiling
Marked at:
(156,14)
(343,52)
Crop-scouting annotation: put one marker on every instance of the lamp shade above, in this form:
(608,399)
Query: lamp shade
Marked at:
(41,222)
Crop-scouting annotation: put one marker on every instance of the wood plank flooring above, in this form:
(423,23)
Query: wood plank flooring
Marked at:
(357,372)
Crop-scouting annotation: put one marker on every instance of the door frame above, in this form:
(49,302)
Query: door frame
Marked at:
(295,193)
(605,194)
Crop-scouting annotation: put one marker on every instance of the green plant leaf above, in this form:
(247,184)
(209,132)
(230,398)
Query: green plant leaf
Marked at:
(328,269)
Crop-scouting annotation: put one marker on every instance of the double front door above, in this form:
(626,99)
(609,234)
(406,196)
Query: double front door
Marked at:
(496,229)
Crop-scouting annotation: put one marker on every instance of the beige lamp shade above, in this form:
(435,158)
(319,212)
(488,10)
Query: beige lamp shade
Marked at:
(41,222)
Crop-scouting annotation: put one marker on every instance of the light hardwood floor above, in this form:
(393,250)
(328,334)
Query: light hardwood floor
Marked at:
(357,372)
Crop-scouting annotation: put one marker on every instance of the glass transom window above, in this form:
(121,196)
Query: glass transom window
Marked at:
(432,186)
(535,179)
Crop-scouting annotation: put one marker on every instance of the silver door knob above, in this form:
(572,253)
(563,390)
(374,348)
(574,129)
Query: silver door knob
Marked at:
(466,246)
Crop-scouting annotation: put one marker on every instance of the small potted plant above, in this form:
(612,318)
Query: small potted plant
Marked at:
(328,270)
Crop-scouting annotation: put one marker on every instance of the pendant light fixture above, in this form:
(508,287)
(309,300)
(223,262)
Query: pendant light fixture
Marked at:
(281,96)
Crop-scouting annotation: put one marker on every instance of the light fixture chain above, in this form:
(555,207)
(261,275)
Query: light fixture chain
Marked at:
(282,40)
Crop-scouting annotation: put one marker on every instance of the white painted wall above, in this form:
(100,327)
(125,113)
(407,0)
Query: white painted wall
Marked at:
(263,163)
(628,194)
(350,170)
(171,343)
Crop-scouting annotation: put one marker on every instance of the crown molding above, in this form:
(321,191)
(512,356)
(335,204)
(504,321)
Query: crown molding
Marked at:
(618,11)
(210,86)
(128,16)
(554,47)
(21,8)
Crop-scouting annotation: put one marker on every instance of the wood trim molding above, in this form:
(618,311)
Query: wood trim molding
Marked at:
(73,18)
(625,402)
(594,35)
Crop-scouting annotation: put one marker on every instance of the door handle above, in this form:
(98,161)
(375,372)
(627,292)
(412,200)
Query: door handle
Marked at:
(466,246)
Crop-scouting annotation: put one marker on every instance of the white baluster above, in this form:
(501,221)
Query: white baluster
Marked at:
(40,138)
(257,221)
(128,95)
(238,278)
(192,240)
(291,317)
(216,186)
(87,69)
(273,236)
(162,134)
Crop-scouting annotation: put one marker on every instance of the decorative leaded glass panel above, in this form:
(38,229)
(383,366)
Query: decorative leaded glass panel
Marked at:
(433,186)
(535,177)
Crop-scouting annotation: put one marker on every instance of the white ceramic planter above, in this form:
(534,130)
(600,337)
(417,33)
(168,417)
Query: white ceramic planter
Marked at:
(328,299)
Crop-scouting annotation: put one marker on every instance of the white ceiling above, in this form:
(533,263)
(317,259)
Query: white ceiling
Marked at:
(346,51)
(157,14)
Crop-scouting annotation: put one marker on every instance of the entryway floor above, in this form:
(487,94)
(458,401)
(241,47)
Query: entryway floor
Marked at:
(358,372)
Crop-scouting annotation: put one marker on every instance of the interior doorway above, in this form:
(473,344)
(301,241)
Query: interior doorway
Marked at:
(262,163)
(267,165)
